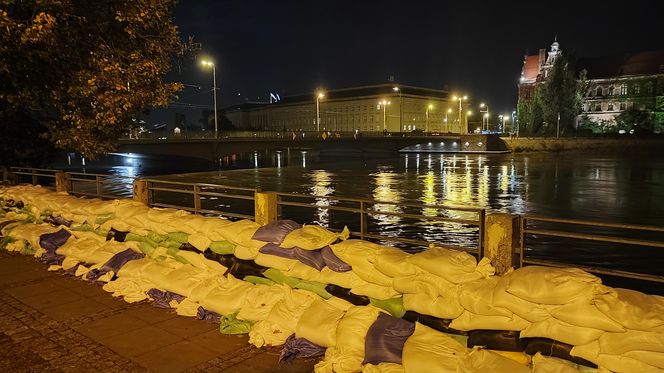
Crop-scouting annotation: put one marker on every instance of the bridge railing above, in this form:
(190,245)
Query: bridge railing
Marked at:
(286,135)
(590,241)
(100,185)
(36,176)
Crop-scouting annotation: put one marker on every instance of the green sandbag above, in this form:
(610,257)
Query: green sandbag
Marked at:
(28,250)
(156,237)
(101,232)
(170,244)
(134,237)
(179,237)
(145,248)
(229,324)
(393,306)
(4,241)
(258,280)
(296,283)
(103,218)
(222,247)
(82,228)
(180,259)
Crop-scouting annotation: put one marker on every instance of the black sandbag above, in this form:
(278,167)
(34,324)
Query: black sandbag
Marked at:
(223,259)
(116,235)
(442,325)
(51,241)
(550,347)
(189,247)
(6,223)
(345,294)
(501,340)
(241,268)
(58,220)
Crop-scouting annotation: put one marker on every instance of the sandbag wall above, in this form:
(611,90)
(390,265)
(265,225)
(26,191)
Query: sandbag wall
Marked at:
(366,307)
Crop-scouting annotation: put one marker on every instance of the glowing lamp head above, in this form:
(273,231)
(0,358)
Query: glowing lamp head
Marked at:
(482,105)
(396,89)
(430,106)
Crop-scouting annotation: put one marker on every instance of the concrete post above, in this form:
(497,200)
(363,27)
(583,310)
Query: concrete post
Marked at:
(141,191)
(266,209)
(501,236)
(62,183)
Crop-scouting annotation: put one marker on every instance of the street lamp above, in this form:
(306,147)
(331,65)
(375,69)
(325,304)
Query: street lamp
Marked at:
(506,117)
(426,126)
(319,96)
(397,89)
(214,88)
(460,98)
(486,115)
(384,104)
(449,111)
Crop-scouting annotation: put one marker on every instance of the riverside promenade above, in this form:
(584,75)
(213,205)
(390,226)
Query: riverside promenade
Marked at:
(54,322)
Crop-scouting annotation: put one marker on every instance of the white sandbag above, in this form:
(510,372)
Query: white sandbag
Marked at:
(469,321)
(543,364)
(548,285)
(480,360)
(428,350)
(318,323)
(454,266)
(633,309)
(442,307)
(586,314)
(562,331)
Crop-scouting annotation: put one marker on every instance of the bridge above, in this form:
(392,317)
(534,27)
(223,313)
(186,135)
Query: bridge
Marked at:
(333,145)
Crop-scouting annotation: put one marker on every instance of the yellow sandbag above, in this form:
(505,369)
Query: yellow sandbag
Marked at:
(587,315)
(318,323)
(624,364)
(442,307)
(273,261)
(394,263)
(529,311)
(200,261)
(480,360)
(430,351)
(588,351)
(132,289)
(227,296)
(259,301)
(469,321)
(134,268)
(426,283)
(631,340)
(186,307)
(633,309)
(518,357)
(452,265)
(655,359)
(383,368)
(353,328)
(312,237)
(346,280)
(31,232)
(246,252)
(543,364)
(476,297)
(339,303)
(239,233)
(548,285)
(375,291)
(198,241)
(561,331)
(282,319)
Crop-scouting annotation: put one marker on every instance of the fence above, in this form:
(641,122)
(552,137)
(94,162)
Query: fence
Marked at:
(100,185)
(35,175)
(572,231)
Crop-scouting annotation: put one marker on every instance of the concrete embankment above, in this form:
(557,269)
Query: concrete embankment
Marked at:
(542,144)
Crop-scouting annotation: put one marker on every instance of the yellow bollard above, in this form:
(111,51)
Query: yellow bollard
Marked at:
(62,183)
(266,209)
(500,238)
(141,191)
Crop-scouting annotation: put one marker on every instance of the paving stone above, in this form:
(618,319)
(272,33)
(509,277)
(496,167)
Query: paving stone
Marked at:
(140,341)
(175,357)
(102,329)
(47,300)
(186,326)
(74,310)
(220,343)
(149,314)
(34,289)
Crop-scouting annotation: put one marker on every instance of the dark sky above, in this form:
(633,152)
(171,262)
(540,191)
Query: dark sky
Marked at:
(291,47)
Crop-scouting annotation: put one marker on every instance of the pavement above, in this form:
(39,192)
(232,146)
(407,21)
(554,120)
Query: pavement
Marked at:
(55,322)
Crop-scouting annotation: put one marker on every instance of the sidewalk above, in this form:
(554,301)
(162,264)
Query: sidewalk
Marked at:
(53,322)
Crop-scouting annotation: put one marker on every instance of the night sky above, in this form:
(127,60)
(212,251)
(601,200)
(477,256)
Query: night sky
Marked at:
(291,47)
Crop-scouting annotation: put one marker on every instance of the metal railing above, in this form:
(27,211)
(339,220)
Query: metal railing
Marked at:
(100,185)
(35,174)
(577,230)
(366,208)
(198,194)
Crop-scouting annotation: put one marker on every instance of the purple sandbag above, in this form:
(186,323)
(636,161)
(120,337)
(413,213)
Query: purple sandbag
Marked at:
(115,263)
(58,220)
(312,258)
(385,339)
(274,249)
(276,231)
(209,316)
(299,348)
(162,299)
(334,262)
(51,241)
(51,258)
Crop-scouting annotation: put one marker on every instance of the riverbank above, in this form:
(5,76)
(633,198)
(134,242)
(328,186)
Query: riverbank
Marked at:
(542,144)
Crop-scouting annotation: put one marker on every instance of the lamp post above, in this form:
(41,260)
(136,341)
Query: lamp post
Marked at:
(426,126)
(460,98)
(214,88)
(384,104)
(397,89)
(486,115)
(447,126)
(319,96)
(505,117)
(501,118)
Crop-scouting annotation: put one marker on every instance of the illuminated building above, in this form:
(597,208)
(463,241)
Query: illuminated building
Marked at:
(379,108)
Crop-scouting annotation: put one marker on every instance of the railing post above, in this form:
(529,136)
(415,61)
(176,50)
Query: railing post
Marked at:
(98,181)
(141,191)
(35,178)
(501,236)
(197,199)
(265,207)
(363,220)
(62,182)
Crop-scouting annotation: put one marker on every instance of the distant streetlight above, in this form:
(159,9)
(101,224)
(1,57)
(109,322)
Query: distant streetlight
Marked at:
(397,89)
(214,88)
(449,111)
(460,98)
(486,115)
(319,96)
(426,126)
(506,118)
(502,119)
(384,104)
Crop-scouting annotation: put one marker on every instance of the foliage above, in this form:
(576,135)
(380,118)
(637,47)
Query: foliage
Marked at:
(80,71)
(639,121)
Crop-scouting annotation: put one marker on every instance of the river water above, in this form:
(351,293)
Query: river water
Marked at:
(618,188)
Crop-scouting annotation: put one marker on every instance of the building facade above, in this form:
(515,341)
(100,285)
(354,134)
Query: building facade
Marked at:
(380,108)
(614,84)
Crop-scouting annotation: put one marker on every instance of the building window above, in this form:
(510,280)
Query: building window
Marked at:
(598,91)
(610,108)
(598,107)
(622,106)
(637,89)
(623,89)
(611,91)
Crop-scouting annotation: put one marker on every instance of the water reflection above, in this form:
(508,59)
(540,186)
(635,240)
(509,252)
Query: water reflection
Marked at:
(387,189)
(321,186)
